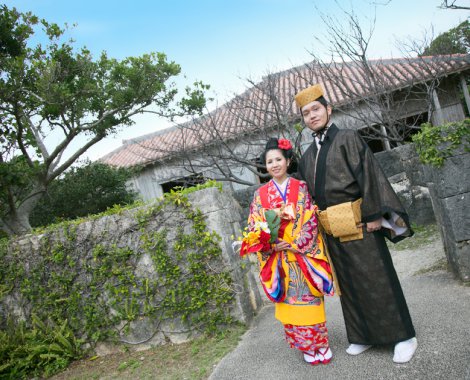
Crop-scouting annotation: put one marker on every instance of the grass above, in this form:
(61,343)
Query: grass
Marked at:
(195,360)
(192,360)
(438,265)
(423,235)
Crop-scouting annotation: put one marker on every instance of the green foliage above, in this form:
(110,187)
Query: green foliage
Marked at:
(180,191)
(96,290)
(11,37)
(435,143)
(423,235)
(194,291)
(43,349)
(454,41)
(274,223)
(83,191)
(131,364)
(54,88)
(193,360)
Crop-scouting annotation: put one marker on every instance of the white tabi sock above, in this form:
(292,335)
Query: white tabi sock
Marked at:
(356,349)
(405,350)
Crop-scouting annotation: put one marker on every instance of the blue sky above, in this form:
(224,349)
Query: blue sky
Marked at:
(223,42)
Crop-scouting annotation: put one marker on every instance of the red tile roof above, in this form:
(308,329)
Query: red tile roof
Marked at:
(344,83)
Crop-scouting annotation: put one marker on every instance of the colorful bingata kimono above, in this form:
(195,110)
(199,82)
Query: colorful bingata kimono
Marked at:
(295,280)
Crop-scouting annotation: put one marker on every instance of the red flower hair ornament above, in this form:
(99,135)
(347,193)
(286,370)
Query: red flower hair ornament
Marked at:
(284,144)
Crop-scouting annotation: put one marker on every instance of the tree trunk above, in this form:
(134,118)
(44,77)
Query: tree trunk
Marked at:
(17,221)
(16,224)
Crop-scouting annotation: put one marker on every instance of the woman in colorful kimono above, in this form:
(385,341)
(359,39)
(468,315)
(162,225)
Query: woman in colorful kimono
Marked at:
(294,270)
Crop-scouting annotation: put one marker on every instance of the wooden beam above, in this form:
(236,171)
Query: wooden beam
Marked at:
(438,118)
(463,83)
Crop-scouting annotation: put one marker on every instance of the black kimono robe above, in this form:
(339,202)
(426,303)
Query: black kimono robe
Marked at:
(374,307)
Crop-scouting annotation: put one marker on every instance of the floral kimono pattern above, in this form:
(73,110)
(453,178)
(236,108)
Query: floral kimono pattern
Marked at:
(284,274)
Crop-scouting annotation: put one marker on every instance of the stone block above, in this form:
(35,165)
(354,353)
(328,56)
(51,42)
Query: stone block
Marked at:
(456,211)
(399,177)
(462,253)
(453,177)
(421,211)
(452,218)
(390,161)
(415,171)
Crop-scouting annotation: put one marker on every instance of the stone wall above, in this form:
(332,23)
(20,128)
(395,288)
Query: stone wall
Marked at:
(226,217)
(77,253)
(450,193)
(407,177)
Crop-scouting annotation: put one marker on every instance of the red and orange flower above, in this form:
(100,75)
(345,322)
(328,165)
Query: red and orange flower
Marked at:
(284,144)
(257,240)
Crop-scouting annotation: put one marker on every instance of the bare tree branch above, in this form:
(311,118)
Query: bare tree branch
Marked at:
(450,4)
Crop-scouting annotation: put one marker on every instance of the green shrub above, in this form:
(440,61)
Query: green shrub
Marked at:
(435,143)
(41,350)
(83,191)
(75,290)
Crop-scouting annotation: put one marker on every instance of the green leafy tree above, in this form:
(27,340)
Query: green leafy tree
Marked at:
(55,90)
(454,41)
(83,191)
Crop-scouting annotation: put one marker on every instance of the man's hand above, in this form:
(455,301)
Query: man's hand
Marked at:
(374,226)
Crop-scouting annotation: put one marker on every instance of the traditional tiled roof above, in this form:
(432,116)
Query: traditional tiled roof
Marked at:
(344,83)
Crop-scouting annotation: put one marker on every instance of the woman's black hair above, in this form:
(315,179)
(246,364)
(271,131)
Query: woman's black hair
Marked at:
(273,143)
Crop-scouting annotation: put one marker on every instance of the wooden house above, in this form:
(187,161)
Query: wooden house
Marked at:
(386,100)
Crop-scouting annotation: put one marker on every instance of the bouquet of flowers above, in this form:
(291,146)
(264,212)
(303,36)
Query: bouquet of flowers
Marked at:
(259,238)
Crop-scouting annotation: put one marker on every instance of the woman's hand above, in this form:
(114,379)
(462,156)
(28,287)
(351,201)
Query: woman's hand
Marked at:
(281,245)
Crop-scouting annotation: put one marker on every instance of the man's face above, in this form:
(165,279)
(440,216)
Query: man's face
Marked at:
(315,115)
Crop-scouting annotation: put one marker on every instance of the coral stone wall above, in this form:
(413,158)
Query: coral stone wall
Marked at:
(154,274)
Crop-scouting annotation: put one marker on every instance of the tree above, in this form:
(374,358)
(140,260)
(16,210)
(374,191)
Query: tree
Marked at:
(60,91)
(226,143)
(371,97)
(454,41)
(83,191)
(451,4)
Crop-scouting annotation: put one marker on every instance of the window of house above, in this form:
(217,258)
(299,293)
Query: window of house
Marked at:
(406,129)
(263,175)
(185,182)
(372,138)
(412,125)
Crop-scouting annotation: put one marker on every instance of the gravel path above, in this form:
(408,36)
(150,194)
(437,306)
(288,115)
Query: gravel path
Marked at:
(440,309)
(412,261)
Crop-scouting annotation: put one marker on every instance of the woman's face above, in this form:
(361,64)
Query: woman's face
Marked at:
(276,165)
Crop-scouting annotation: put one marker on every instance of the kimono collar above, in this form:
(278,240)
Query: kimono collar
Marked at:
(320,136)
(282,188)
(325,134)
(292,196)
(322,131)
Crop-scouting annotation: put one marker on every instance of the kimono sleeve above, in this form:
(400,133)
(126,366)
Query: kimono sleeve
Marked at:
(379,200)
(305,231)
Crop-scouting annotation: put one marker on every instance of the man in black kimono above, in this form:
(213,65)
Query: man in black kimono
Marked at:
(340,168)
